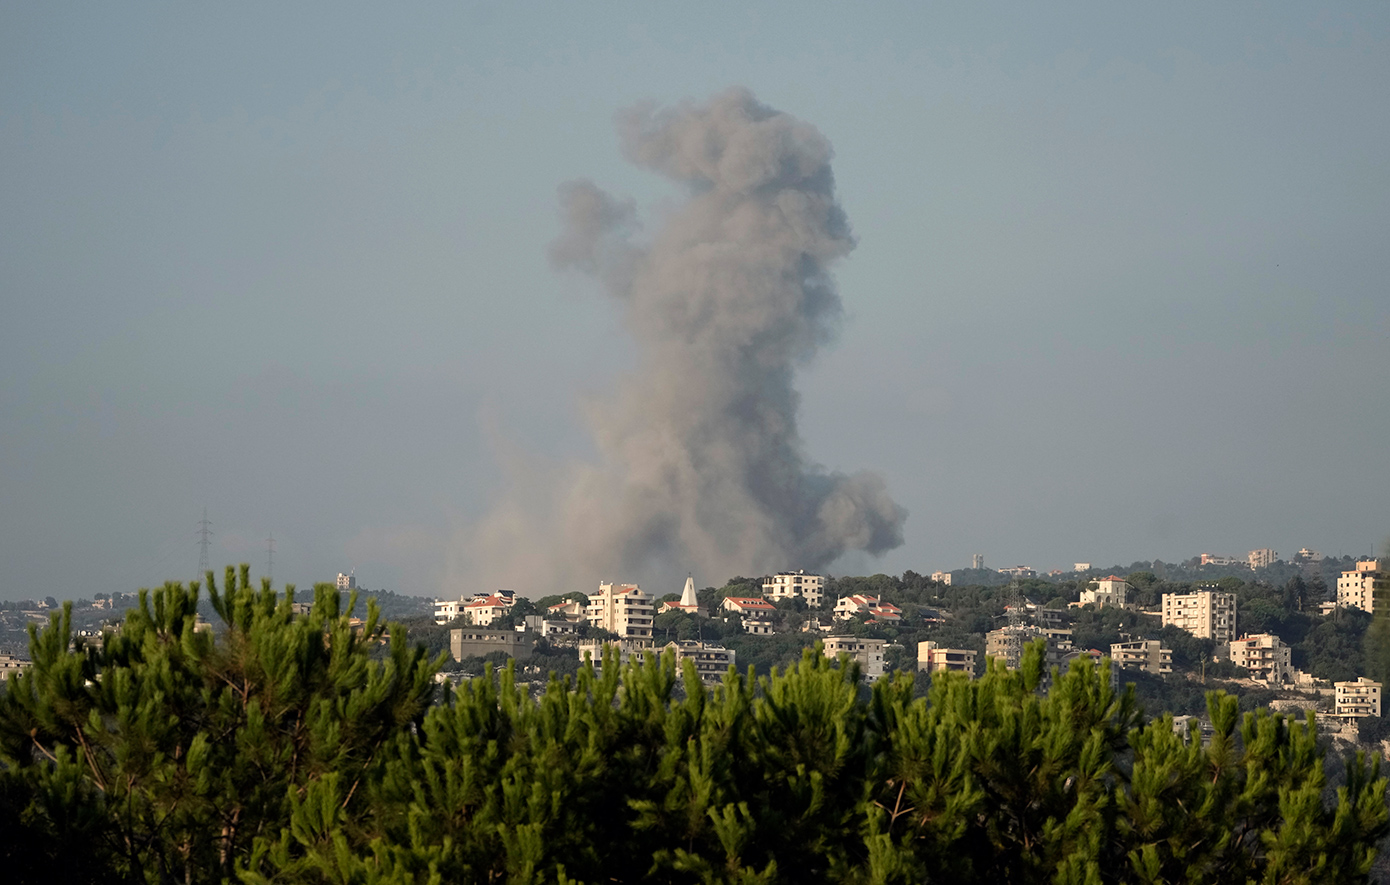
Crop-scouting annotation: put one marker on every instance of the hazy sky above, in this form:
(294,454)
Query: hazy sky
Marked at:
(1119,291)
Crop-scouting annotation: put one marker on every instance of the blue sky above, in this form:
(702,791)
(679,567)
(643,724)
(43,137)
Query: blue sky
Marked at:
(1119,291)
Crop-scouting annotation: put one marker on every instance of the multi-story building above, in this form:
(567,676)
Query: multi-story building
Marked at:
(1007,644)
(868,652)
(622,609)
(1148,655)
(933,658)
(977,561)
(1019,571)
(711,661)
(593,650)
(1081,566)
(1213,559)
(1206,614)
(790,585)
(468,642)
(942,578)
(1112,591)
(1357,699)
(1266,657)
(1357,588)
(347,582)
(1262,558)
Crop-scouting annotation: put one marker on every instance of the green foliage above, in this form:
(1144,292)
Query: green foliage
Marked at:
(166,754)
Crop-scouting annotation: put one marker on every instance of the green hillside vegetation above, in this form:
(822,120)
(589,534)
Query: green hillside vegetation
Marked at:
(284,748)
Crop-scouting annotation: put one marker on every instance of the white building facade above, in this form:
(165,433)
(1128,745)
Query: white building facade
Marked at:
(1148,655)
(791,585)
(1357,699)
(1206,614)
(1356,588)
(1266,657)
(622,609)
(868,652)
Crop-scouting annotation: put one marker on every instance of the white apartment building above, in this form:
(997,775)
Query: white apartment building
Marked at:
(1266,657)
(1262,558)
(1112,591)
(942,578)
(868,652)
(447,610)
(1206,614)
(1356,588)
(1007,644)
(933,658)
(347,582)
(1148,655)
(622,609)
(1357,699)
(790,585)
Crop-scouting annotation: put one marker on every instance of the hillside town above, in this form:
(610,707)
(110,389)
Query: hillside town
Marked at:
(1291,635)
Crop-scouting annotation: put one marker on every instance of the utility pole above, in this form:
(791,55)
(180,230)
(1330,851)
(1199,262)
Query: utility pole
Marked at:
(204,533)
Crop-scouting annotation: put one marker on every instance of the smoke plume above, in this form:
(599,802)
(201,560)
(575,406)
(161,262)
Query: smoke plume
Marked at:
(700,464)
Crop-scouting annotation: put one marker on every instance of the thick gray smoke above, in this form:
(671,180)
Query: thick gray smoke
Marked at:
(701,466)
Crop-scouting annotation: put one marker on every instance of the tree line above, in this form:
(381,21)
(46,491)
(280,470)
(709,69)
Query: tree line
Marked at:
(291,748)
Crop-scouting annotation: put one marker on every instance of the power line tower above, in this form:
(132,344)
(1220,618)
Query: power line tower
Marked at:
(270,557)
(204,533)
(1013,602)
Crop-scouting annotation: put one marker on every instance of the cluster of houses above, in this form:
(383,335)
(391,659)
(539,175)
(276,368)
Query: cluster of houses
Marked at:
(627,612)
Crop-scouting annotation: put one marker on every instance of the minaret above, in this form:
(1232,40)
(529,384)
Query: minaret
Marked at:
(688,599)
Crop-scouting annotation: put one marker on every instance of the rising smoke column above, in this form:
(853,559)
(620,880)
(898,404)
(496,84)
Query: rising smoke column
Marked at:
(700,462)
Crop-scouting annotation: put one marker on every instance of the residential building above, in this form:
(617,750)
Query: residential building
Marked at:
(1112,591)
(711,661)
(482,612)
(468,642)
(1356,588)
(572,611)
(1081,566)
(748,605)
(1357,699)
(1262,558)
(626,649)
(868,652)
(1019,571)
(1266,657)
(942,578)
(790,585)
(1307,555)
(757,625)
(1206,614)
(622,609)
(347,582)
(932,657)
(446,610)
(543,626)
(1007,644)
(1148,655)
(1213,559)
(846,607)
